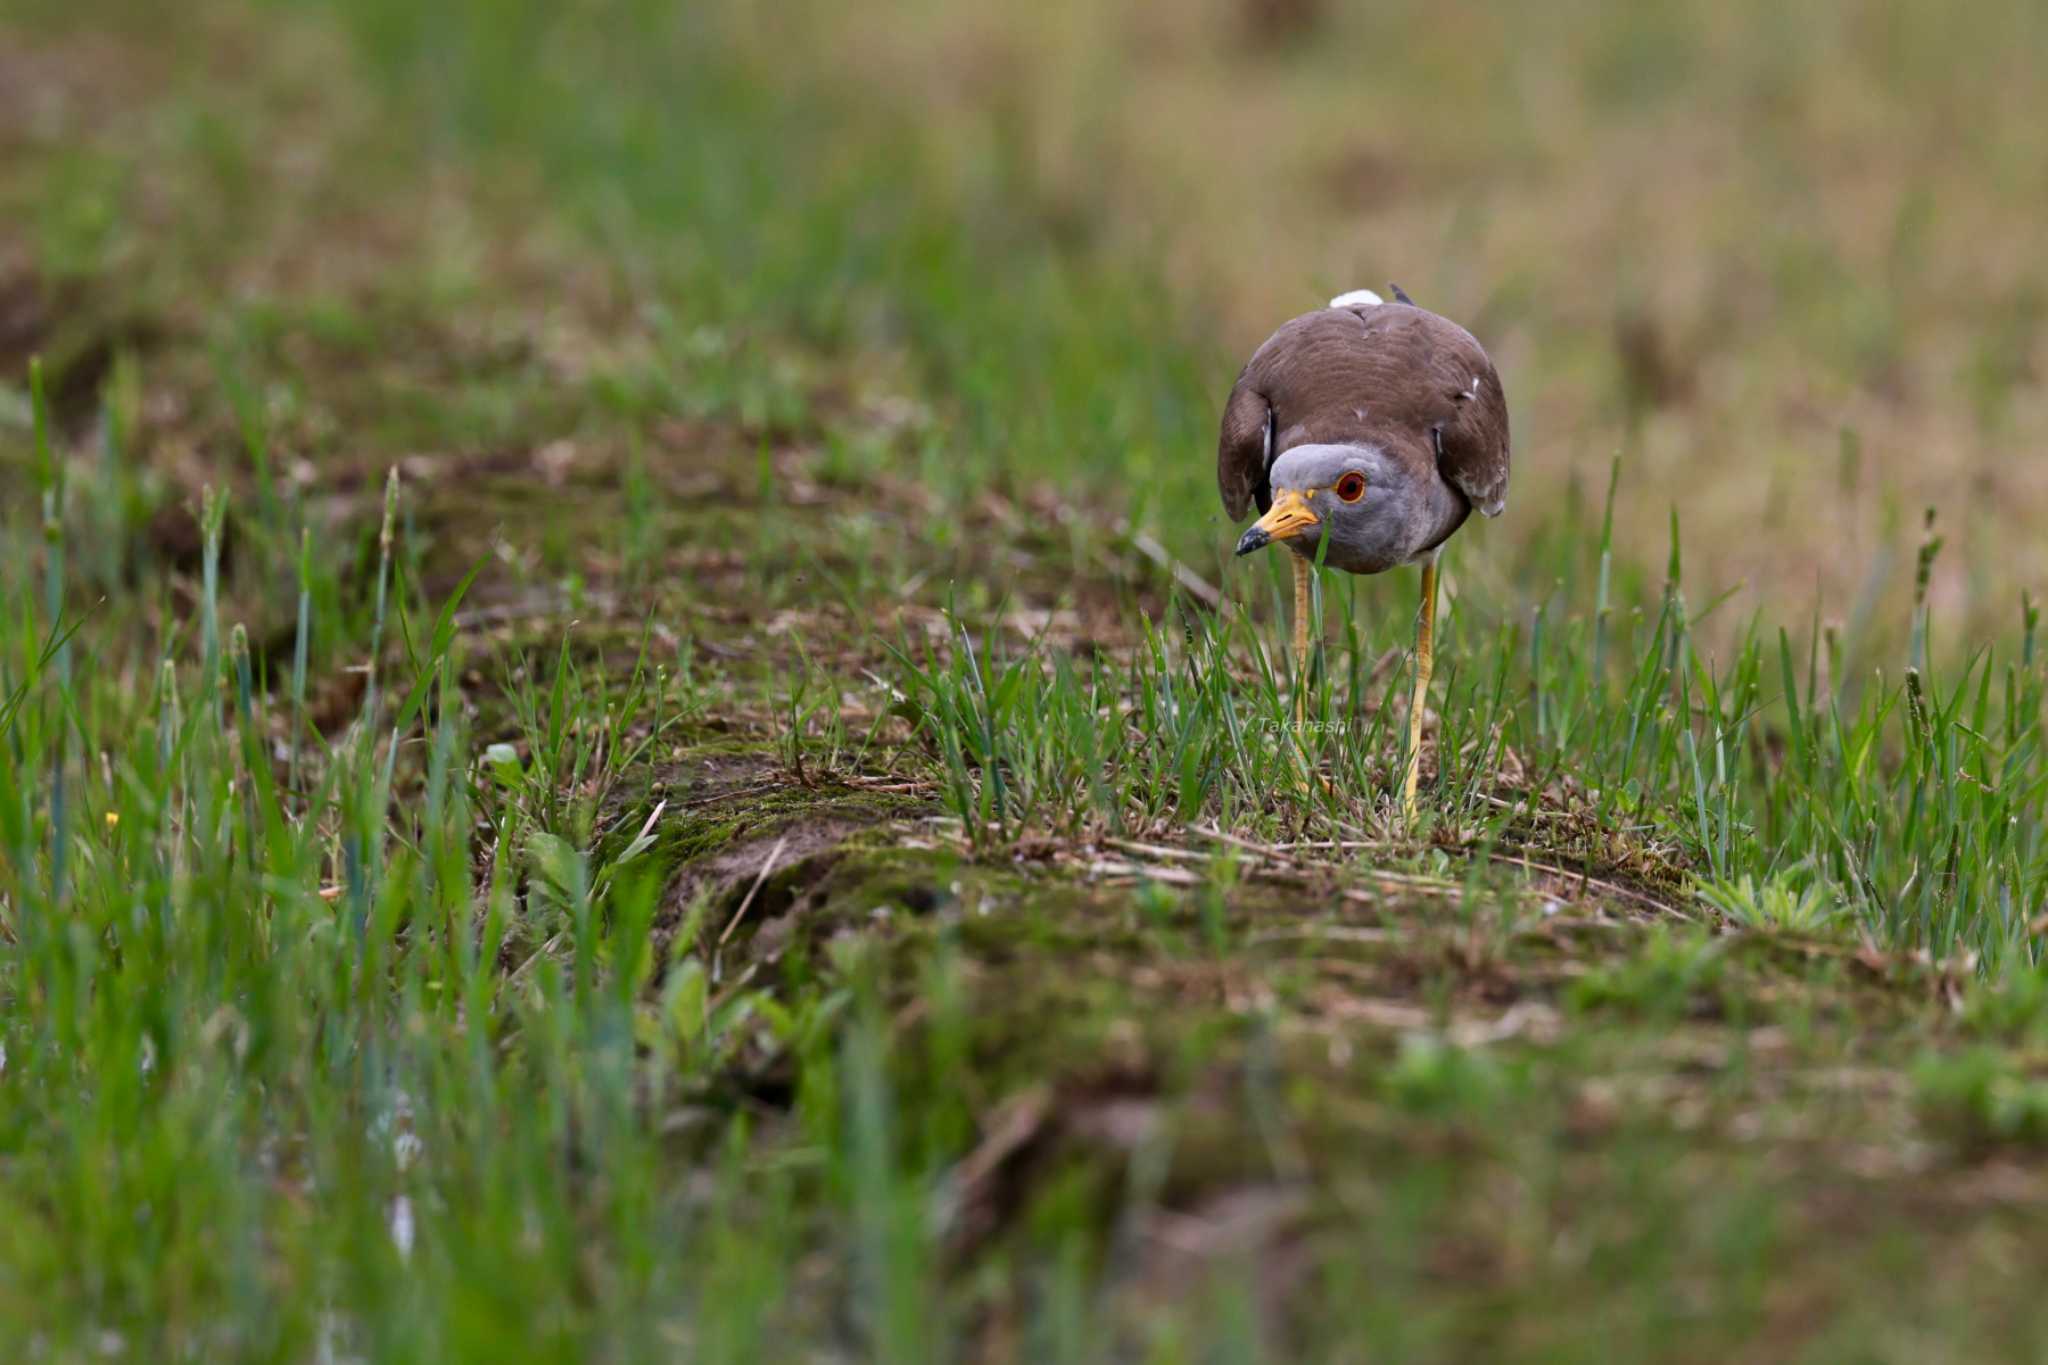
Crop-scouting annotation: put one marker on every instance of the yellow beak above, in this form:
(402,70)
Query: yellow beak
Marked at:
(1289,516)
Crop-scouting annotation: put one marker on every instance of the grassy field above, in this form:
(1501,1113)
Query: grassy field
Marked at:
(627,733)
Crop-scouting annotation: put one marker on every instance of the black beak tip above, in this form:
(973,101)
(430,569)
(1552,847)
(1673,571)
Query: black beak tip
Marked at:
(1254,539)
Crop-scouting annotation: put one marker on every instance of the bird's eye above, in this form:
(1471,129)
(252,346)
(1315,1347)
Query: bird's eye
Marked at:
(1351,487)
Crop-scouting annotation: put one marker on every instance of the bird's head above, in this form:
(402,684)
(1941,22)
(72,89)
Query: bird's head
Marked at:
(1364,501)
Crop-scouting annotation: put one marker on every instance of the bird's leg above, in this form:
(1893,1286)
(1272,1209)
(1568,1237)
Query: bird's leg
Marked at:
(1301,614)
(1304,609)
(1425,662)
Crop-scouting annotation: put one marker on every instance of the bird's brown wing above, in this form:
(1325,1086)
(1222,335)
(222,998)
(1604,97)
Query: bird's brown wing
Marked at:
(1471,437)
(1244,449)
(1391,373)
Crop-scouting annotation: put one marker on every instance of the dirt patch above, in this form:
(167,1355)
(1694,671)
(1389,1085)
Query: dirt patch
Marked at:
(760,852)
(70,330)
(710,777)
(46,85)
(24,314)
(764,877)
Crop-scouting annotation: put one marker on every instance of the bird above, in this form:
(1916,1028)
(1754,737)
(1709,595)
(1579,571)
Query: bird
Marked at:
(1377,427)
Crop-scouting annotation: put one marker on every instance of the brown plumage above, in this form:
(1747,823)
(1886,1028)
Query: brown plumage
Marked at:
(1391,374)
(1366,432)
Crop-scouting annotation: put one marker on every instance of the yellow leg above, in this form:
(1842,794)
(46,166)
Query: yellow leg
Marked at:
(1301,615)
(1425,663)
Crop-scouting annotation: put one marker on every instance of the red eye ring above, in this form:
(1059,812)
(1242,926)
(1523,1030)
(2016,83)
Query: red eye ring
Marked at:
(1351,487)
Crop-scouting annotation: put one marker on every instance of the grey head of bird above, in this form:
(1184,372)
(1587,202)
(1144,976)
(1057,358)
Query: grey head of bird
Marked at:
(1378,511)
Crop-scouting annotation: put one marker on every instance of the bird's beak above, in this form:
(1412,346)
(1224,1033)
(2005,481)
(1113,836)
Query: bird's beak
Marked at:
(1289,517)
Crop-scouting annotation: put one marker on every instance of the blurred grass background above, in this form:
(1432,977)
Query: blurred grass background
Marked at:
(1784,263)
(654,304)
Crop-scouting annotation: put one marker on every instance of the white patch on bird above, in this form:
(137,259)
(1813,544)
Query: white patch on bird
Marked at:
(1473,392)
(1357,298)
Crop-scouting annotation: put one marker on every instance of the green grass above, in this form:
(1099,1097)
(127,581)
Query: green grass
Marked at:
(597,761)
(1908,812)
